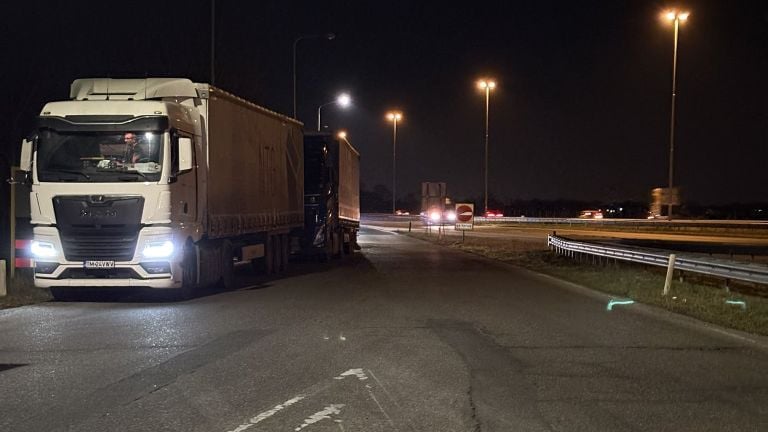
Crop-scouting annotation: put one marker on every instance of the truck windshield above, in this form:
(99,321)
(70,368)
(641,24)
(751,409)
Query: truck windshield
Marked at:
(99,156)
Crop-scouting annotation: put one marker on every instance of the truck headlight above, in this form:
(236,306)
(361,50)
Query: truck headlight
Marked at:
(162,249)
(43,250)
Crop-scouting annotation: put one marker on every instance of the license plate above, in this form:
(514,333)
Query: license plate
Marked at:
(100,264)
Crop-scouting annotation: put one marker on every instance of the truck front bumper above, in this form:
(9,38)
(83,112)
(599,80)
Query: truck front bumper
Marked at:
(138,272)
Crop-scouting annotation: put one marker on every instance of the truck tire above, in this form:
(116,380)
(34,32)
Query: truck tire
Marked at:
(285,250)
(227,265)
(277,251)
(189,270)
(269,259)
(327,252)
(340,242)
(349,246)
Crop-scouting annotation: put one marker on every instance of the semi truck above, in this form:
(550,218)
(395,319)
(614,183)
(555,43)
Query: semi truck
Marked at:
(167,183)
(331,195)
(436,207)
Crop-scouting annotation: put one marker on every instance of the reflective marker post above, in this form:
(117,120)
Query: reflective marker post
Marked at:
(670,272)
(3,290)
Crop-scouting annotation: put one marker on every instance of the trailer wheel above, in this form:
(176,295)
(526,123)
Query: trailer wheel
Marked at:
(277,265)
(269,255)
(349,246)
(227,265)
(340,243)
(327,251)
(285,251)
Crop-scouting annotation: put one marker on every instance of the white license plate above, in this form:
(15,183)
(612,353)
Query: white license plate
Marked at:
(100,264)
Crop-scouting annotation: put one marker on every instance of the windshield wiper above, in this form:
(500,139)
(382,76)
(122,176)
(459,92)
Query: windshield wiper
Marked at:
(66,171)
(135,172)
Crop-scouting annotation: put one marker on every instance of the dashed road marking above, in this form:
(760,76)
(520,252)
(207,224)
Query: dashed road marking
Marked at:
(323,414)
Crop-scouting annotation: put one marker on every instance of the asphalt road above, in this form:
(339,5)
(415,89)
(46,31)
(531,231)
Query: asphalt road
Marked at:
(404,336)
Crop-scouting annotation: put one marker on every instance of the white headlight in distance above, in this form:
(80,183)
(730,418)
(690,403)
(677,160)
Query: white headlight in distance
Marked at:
(435,216)
(158,249)
(43,249)
(451,216)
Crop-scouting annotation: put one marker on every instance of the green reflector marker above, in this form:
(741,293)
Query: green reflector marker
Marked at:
(614,302)
(740,303)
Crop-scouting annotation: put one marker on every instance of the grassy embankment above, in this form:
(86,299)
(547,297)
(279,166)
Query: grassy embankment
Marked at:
(701,298)
(21,291)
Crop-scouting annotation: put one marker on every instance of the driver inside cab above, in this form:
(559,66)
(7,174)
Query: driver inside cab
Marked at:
(135,151)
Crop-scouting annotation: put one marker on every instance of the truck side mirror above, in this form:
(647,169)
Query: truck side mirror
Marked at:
(185,154)
(25,163)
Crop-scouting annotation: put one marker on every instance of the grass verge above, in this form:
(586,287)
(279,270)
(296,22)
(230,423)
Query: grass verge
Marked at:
(695,296)
(22,291)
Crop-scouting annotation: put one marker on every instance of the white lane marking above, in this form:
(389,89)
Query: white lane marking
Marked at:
(325,413)
(311,391)
(267,414)
(370,393)
(359,373)
(391,398)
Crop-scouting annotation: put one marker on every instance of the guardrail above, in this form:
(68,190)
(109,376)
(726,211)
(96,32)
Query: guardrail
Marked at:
(727,270)
(687,223)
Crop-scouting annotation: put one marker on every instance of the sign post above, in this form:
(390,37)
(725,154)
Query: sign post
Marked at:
(465,218)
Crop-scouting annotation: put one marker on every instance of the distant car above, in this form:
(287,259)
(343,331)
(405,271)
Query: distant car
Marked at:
(493,213)
(402,213)
(591,214)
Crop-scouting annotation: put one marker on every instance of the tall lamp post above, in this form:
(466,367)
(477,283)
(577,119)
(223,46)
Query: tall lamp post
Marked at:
(328,36)
(394,117)
(486,85)
(343,100)
(676,17)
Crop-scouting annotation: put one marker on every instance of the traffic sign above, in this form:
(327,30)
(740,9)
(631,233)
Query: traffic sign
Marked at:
(465,216)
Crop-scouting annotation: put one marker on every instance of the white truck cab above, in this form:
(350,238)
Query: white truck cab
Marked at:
(114,182)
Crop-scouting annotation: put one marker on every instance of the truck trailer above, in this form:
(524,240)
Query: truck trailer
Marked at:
(331,194)
(163,183)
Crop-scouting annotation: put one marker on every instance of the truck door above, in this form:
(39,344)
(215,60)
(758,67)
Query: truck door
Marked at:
(184,184)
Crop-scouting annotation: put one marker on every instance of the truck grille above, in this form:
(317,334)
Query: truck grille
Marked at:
(98,227)
(99,244)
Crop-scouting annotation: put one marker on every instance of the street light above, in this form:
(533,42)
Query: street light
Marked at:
(394,117)
(328,36)
(486,85)
(676,17)
(343,100)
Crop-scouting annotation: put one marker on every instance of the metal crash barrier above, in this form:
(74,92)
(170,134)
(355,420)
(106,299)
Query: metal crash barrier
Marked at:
(729,270)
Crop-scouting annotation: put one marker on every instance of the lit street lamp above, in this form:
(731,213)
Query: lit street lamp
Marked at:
(394,117)
(676,17)
(328,36)
(342,135)
(487,86)
(343,100)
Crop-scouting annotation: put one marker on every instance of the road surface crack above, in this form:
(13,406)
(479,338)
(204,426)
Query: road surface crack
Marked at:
(476,427)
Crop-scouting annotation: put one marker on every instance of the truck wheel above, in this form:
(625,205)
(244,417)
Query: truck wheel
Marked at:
(227,265)
(285,251)
(189,270)
(349,246)
(277,251)
(340,242)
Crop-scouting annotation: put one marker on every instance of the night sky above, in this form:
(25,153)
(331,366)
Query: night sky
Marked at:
(581,111)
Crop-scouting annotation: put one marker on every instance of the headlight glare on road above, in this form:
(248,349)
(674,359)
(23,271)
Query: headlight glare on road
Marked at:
(162,249)
(42,250)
